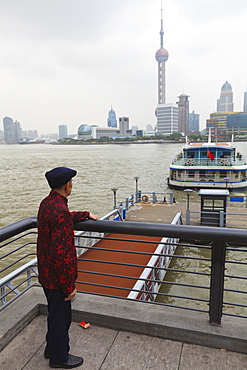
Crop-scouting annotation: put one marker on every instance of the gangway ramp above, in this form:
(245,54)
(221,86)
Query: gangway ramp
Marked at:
(121,264)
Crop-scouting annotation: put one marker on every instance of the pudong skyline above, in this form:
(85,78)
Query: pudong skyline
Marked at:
(89,56)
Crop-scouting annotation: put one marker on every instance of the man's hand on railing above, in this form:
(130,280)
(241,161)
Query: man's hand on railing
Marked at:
(92,217)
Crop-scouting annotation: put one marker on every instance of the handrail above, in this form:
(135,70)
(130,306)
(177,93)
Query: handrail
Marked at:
(219,237)
(188,232)
(17,228)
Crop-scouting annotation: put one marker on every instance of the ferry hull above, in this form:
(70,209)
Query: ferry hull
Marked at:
(175,184)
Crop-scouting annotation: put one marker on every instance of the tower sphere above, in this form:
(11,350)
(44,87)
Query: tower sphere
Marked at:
(161,55)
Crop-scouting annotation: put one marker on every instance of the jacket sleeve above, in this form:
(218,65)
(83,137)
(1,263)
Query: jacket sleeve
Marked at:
(79,216)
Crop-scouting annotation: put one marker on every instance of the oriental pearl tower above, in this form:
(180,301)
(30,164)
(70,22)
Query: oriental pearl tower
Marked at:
(161,57)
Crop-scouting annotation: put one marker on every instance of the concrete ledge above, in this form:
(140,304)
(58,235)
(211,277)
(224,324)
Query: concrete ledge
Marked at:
(137,317)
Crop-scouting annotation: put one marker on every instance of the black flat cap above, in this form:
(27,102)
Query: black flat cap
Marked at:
(59,176)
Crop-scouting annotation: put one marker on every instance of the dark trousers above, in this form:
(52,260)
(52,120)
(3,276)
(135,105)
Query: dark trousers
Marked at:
(58,323)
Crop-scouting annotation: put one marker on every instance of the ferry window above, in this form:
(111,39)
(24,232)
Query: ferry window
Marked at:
(190,154)
(204,154)
(222,174)
(202,173)
(226,154)
(243,175)
(191,173)
(210,173)
(179,173)
(235,174)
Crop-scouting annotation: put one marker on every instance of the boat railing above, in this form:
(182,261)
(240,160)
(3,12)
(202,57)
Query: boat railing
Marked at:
(217,296)
(208,162)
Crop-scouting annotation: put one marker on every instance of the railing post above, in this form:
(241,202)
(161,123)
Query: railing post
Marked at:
(222,214)
(154,197)
(187,217)
(171,198)
(132,200)
(217,282)
(127,203)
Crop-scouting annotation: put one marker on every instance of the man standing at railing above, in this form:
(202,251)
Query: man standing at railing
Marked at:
(57,264)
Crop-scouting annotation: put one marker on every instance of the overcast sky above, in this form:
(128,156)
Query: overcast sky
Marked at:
(68,61)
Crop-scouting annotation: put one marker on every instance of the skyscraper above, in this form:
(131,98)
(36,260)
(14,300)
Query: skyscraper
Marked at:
(225,102)
(194,122)
(245,101)
(111,120)
(12,131)
(124,125)
(183,113)
(167,119)
(63,131)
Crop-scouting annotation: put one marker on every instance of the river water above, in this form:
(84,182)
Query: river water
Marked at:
(100,167)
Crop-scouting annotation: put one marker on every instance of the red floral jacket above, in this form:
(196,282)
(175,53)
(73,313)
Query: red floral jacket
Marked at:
(57,260)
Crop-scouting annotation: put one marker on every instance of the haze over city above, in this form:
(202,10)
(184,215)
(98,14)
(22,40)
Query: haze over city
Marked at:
(68,61)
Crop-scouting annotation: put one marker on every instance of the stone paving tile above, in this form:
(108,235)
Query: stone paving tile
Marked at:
(138,352)
(24,345)
(108,349)
(203,358)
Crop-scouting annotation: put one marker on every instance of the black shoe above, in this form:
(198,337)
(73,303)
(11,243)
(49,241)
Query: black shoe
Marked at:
(47,353)
(73,361)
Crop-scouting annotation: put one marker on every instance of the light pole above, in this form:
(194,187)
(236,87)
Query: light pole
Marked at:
(188,191)
(137,197)
(115,197)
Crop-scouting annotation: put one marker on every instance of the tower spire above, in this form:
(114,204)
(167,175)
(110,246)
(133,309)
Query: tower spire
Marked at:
(161,28)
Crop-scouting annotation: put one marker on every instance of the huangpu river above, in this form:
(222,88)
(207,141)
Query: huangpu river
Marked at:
(99,168)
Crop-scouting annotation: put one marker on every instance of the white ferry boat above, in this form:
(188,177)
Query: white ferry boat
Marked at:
(208,165)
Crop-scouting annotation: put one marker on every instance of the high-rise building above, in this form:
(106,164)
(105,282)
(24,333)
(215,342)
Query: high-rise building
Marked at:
(149,127)
(245,101)
(183,114)
(124,126)
(112,120)
(194,122)
(12,131)
(225,102)
(63,131)
(167,119)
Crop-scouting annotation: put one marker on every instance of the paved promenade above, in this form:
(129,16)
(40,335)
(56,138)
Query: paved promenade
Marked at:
(108,349)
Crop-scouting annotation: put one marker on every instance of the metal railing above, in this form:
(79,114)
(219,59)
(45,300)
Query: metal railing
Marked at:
(220,219)
(211,239)
(208,162)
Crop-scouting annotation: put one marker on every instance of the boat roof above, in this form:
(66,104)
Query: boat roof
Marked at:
(207,145)
(213,192)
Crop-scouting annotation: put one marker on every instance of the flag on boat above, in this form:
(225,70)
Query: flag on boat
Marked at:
(210,155)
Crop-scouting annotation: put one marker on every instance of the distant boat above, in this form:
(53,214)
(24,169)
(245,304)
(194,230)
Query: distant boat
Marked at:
(208,165)
(32,142)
